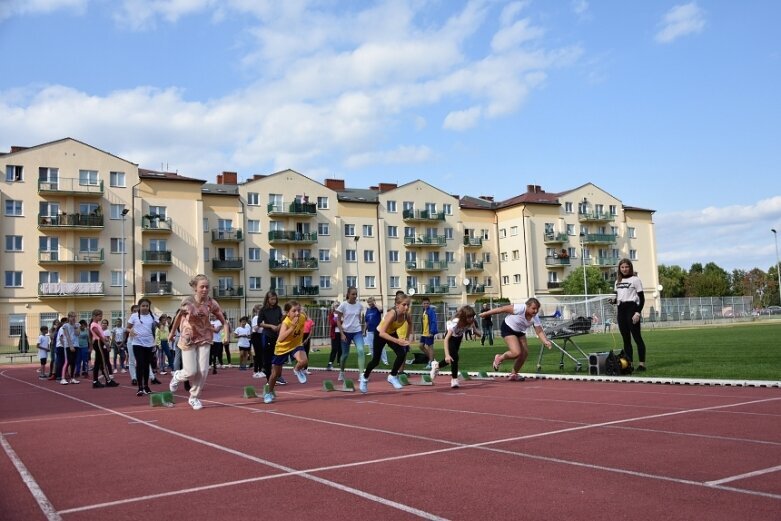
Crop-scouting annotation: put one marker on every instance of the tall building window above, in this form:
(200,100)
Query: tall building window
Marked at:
(116,179)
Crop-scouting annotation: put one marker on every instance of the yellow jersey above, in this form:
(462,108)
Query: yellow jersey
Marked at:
(295,339)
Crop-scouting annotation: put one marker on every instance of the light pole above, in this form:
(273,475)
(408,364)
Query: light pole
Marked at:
(778,265)
(357,266)
(124,275)
(583,262)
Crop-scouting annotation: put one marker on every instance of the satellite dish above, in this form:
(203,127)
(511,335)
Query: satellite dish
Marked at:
(660,287)
(411,291)
(467,282)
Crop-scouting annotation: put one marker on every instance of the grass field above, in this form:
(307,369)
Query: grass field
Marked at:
(745,351)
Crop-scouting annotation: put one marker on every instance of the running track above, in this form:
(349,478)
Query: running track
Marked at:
(541,449)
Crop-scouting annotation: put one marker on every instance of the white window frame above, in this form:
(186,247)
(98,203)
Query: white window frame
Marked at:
(254,254)
(390,206)
(88,177)
(253,226)
(325,282)
(255,283)
(368,255)
(322,202)
(117,179)
(393,256)
(13,208)
(253,199)
(16,243)
(17,279)
(323,229)
(324,255)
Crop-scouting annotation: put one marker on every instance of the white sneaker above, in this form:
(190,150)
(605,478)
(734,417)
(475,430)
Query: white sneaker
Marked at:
(434,369)
(74,381)
(341,376)
(268,398)
(64,381)
(257,375)
(301,375)
(173,385)
(195,403)
(394,381)
(363,384)
(454,383)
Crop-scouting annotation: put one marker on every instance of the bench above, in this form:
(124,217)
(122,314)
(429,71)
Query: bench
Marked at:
(22,355)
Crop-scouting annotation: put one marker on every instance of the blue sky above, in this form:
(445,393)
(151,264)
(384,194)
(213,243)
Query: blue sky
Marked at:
(672,106)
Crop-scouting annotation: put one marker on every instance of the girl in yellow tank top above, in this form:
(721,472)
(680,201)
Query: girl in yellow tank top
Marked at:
(388,334)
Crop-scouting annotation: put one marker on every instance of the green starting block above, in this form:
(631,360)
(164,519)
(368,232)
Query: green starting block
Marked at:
(403,379)
(348,386)
(464,375)
(250,392)
(482,375)
(425,379)
(164,399)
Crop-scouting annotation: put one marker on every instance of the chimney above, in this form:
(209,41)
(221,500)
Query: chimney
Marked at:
(228,178)
(384,187)
(489,198)
(219,179)
(336,185)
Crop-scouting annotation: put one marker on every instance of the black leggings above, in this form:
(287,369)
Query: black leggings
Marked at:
(336,349)
(453,346)
(379,345)
(268,354)
(625,312)
(143,365)
(101,362)
(256,339)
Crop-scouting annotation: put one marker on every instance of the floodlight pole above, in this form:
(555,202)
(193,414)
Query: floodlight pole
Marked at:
(778,265)
(583,262)
(124,275)
(357,264)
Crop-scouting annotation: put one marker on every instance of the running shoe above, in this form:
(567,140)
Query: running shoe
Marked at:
(140,392)
(340,378)
(515,377)
(454,383)
(111,383)
(281,381)
(394,381)
(363,384)
(64,382)
(329,367)
(497,362)
(97,385)
(434,369)
(268,398)
(173,385)
(301,375)
(195,403)
(74,381)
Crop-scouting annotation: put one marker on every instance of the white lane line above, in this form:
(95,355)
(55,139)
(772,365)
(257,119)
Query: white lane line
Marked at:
(43,502)
(761,472)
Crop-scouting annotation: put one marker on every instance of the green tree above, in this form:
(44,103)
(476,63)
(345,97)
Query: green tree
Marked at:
(673,280)
(573,284)
(710,281)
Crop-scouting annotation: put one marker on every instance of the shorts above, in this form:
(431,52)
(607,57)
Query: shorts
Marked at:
(506,330)
(427,340)
(242,348)
(282,359)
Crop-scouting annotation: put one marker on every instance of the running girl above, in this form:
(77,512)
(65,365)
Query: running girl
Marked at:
(464,321)
(289,345)
(387,334)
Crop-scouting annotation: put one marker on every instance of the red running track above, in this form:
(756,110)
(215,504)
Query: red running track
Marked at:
(541,449)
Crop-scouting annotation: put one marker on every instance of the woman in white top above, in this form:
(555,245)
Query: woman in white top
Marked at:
(630,299)
(141,329)
(519,318)
(348,320)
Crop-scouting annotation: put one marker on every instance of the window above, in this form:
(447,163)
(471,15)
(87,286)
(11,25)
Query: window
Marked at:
(13,279)
(567,207)
(513,231)
(409,232)
(253,226)
(410,256)
(614,230)
(599,209)
(391,206)
(13,208)
(88,177)
(486,257)
(160,211)
(503,256)
(275,226)
(277,283)
(505,280)
(254,283)
(352,281)
(613,210)
(450,257)
(631,232)
(253,199)
(370,282)
(502,233)
(116,179)
(224,225)
(350,255)
(89,276)
(88,208)
(570,229)
(13,243)
(394,283)
(412,282)
(14,173)
(368,255)
(88,245)
(431,232)
(451,281)
(488,282)
(276,202)
(393,255)
(632,254)
(553,276)
(393,231)
(117,277)
(51,277)
(117,245)
(516,254)
(447,208)
(349,230)
(517,278)
(325,281)
(322,204)
(48,209)
(323,229)
(15,325)
(484,234)
(368,230)
(449,234)
(115,211)
(206,226)
(206,253)
(324,255)
(48,177)
(431,208)
(408,206)
(253,254)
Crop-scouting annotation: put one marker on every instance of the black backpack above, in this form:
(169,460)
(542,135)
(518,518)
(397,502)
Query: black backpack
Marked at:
(617,364)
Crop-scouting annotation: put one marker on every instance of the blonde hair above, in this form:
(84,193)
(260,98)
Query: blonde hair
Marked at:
(195,280)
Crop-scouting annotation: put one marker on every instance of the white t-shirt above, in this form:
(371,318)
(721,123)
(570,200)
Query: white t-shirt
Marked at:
(43,342)
(455,331)
(119,334)
(217,336)
(628,288)
(351,316)
(242,334)
(142,325)
(518,321)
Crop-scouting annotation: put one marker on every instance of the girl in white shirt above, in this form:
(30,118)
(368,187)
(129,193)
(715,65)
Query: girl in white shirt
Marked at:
(141,329)
(348,319)
(630,299)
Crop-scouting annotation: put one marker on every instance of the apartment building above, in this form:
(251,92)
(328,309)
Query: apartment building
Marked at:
(70,211)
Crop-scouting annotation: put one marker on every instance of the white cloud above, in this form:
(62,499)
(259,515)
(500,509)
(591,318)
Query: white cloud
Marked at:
(11,8)
(680,21)
(462,119)
(580,7)
(401,155)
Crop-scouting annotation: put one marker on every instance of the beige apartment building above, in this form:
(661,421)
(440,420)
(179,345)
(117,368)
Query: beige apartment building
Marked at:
(70,210)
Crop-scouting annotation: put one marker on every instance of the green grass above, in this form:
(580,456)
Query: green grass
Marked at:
(745,351)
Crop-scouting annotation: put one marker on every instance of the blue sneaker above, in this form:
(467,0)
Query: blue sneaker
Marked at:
(268,398)
(281,381)
(301,375)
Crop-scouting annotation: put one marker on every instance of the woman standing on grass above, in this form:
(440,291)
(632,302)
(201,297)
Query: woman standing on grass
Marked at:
(195,338)
(519,318)
(387,333)
(630,299)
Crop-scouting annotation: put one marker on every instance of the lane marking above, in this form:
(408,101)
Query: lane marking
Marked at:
(43,502)
(746,475)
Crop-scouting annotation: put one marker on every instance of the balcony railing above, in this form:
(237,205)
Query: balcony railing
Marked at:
(72,220)
(427,266)
(293,265)
(232,292)
(70,289)
(423,241)
(606,261)
(235,263)
(428,289)
(599,238)
(158,288)
(69,186)
(305,291)
(156,257)
(474,266)
(422,215)
(554,285)
(596,217)
(282,236)
(295,208)
(556,260)
(473,242)
(555,238)
(156,224)
(227,236)
(474,289)
(69,257)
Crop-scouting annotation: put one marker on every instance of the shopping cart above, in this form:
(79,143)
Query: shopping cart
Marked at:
(560,334)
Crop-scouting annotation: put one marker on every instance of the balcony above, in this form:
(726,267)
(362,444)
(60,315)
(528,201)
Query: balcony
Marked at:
(421,241)
(233,292)
(70,187)
(475,289)
(473,242)
(427,266)
(293,265)
(412,216)
(74,221)
(295,209)
(158,288)
(231,264)
(70,289)
(70,257)
(156,257)
(428,289)
(227,236)
(595,217)
(150,223)
(555,238)
(599,238)
(606,262)
(285,237)
(554,286)
(557,261)
(305,291)
(473,266)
